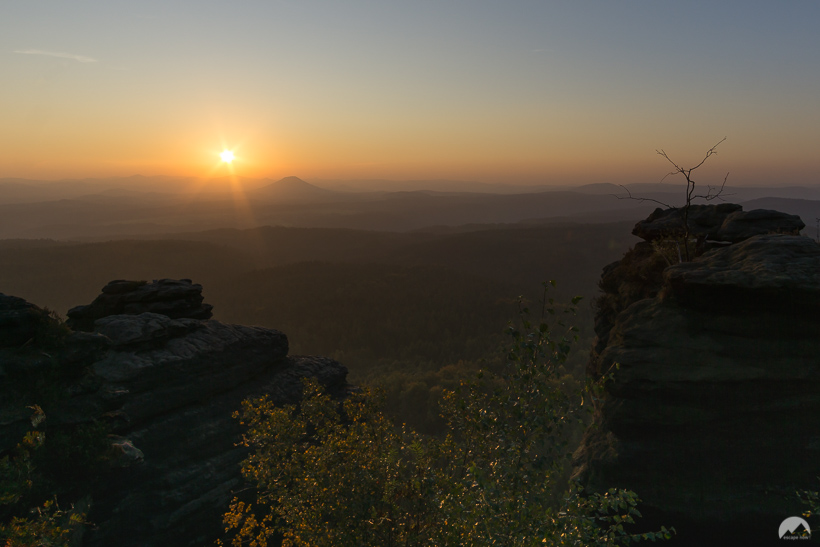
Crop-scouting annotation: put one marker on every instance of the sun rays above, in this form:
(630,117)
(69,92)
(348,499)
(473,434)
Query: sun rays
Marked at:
(224,177)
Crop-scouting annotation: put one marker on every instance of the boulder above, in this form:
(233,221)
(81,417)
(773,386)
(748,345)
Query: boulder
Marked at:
(742,225)
(19,321)
(722,222)
(174,298)
(668,223)
(714,411)
(167,388)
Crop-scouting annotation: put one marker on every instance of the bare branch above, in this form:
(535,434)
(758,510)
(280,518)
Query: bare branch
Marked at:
(678,169)
(630,196)
(711,192)
(667,175)
(686,172)
(709,152)
(719,194)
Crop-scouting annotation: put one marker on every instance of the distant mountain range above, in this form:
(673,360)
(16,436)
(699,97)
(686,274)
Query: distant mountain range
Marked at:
(433,185)
(290,188)
(138,206)
(18,190)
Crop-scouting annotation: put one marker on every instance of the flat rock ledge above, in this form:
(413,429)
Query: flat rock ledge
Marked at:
(724,222)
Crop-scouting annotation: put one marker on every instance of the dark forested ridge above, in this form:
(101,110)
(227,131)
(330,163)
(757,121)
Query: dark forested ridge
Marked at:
(410,306)
(373,311)
(150,207)
(60,275)
(104,216)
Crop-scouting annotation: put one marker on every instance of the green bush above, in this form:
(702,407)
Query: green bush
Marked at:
(47,525)
(812,502)
(340,473)
(22,484)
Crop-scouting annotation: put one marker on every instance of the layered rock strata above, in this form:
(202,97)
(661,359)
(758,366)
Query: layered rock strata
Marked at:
(713,415)
(166,388)
(723,222)
(175,298)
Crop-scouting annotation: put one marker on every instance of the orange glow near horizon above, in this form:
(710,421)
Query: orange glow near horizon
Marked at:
(224,166)
(390,156)
(510,151)
(556,94)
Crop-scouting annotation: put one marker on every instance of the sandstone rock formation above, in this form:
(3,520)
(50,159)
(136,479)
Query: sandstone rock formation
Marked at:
(18,321)
(166,386)
(713,416)
(175,298)
(723,222)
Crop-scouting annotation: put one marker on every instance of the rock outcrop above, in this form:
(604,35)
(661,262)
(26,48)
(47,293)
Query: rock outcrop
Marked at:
(166,386)
(723,222)
(29,337)
(175,298)
(19,321)
(713,415)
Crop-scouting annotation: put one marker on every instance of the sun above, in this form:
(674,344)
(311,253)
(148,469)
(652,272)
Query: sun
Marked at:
(227,156)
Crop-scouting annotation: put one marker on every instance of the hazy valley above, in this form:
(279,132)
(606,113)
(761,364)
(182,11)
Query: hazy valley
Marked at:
(156,206)
(409,290)
(276,253)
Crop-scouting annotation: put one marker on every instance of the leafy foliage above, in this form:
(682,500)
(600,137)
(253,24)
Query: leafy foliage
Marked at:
(46,524)
(812,502)
(340,473)
(52,460)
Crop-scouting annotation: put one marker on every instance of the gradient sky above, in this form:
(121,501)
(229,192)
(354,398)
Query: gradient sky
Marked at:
(519,91)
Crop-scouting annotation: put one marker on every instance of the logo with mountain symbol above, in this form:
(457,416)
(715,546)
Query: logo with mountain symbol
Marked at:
(794,528)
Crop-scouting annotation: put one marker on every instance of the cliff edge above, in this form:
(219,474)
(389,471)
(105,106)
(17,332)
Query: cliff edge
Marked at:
(146,361)
(713,412)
